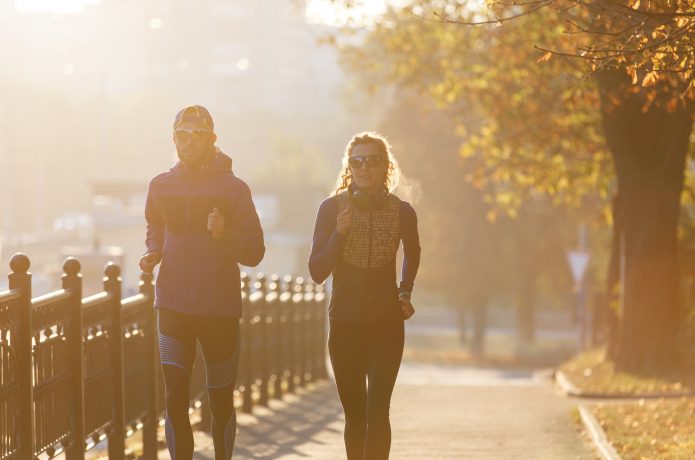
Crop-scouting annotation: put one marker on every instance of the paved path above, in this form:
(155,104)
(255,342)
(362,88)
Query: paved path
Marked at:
(437,413)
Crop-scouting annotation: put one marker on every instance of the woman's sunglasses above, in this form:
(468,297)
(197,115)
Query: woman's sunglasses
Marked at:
(195,135)
(370,160)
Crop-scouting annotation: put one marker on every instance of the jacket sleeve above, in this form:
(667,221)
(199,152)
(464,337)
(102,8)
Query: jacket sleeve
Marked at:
(154,239)
(243,236)
(327,242)
(411,247)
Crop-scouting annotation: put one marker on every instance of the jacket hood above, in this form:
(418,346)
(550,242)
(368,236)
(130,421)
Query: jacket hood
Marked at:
(220,162)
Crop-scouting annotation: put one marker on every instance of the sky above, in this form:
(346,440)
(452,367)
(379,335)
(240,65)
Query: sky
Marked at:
(53,6)
(88,106)
(318,11)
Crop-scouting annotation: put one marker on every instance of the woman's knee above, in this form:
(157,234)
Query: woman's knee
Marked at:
(378,414)
(355,416)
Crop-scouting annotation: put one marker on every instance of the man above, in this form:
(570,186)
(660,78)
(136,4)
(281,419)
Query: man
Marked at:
(201,223)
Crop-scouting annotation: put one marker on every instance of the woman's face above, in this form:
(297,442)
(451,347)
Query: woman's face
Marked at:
(368,166)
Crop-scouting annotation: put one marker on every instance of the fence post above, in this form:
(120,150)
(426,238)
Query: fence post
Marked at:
(320,302)
(273,299)
(301,329)
(72,282)
(116,433)
(20,279)
(205,408)
(290,333)
(149,430)
(246,344)
(262,311)
(311,331)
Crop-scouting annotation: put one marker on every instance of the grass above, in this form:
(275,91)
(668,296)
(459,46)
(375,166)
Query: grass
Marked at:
(652,429)
(592,372)
(644,429)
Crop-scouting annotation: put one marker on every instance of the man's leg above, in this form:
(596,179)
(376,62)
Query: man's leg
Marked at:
(220,342)
(345,346)
(177,352)
(384,359)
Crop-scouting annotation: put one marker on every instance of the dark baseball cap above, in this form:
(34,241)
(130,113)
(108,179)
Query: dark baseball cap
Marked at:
(196,115)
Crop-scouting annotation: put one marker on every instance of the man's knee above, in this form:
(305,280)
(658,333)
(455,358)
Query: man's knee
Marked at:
(221,401)
(223,374)
(176,392)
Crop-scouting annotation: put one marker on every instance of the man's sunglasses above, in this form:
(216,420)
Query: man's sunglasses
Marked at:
(370,160)
(182,134)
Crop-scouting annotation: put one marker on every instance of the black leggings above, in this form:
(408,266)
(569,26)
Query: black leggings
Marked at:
(361,352)
(219,342)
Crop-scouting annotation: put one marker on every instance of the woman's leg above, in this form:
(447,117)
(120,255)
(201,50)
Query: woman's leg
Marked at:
(346,349)
(385,350)
(219,341)
(177,352)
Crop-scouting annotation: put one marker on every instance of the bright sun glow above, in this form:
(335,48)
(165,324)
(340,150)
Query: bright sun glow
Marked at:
(317,11)
(327,12)
(52,6)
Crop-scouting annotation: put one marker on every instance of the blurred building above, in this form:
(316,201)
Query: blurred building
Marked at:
(91,96)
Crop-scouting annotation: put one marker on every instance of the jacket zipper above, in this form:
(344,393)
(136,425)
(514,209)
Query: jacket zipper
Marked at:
(187,235)
(369,262)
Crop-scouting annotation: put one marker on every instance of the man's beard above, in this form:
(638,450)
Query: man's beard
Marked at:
(196,161)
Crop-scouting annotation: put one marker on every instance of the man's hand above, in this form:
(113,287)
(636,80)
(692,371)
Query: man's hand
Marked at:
(344,221)
(406,307)
(149,260)
(216,224)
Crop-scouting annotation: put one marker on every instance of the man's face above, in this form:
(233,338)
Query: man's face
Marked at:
(194,144)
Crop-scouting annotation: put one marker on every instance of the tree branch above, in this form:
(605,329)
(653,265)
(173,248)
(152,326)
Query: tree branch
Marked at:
(541,4)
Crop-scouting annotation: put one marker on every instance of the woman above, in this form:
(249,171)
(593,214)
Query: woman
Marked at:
(357,234)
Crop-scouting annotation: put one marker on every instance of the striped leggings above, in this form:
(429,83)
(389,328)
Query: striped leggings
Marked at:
(219,342)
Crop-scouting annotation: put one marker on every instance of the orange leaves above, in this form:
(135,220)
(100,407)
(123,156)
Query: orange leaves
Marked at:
(632,72)
(519,118)
(672,104)
(650,79)
(546,57)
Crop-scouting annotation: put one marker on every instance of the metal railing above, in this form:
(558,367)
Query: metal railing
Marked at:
(75,371)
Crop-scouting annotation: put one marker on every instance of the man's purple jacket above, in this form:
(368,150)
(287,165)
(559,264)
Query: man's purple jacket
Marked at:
(199,274)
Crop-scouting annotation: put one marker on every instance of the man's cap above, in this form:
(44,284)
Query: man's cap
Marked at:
(194,114)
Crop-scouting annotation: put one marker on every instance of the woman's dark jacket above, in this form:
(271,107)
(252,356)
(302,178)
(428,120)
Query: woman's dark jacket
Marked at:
(363,262)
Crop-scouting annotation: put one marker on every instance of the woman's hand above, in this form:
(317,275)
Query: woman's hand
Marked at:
(344,221)
(406,307)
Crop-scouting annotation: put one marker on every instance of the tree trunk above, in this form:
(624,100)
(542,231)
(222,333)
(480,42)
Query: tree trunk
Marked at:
(526,314)
(461,317)
(611,302)
(479,310)
(649,149)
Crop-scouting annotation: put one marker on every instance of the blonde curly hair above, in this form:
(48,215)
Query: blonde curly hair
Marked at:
(393,172)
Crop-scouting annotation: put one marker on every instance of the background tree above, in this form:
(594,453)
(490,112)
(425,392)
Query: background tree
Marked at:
(469,261)
(542,127)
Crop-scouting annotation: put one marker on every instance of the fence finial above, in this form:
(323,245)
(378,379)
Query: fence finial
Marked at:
(274,285)
(112,271)
(260,283)
(71,266)
(146,277)
(20,263)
